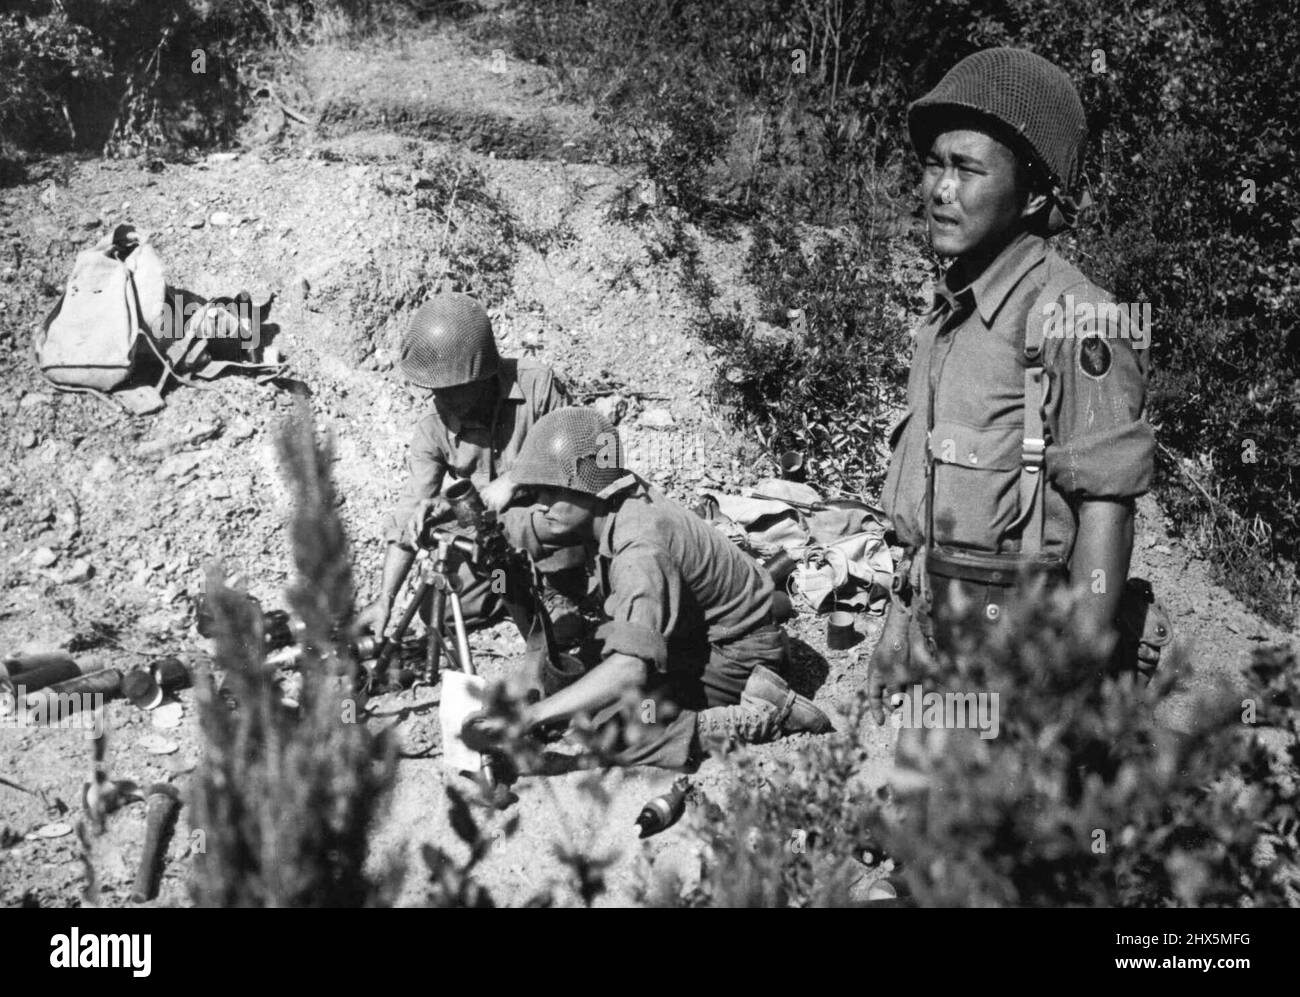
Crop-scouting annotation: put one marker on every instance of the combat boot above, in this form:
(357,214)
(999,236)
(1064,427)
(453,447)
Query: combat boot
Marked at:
(796,714)
(751,721)
(767,709)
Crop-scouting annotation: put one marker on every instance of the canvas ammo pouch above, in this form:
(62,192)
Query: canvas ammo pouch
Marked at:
(1144,624)
(976,584)
(981,583)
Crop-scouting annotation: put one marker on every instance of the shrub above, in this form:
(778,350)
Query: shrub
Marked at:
(1082,798)
(285,800)
(48,63)
(137,75)
(823,371)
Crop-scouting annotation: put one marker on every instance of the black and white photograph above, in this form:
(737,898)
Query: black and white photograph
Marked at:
(651,453)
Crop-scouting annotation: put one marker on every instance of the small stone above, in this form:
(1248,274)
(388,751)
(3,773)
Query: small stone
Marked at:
(168,716)
(178,466)
(657,418)
(28,439)
(43,557)
(612,407)
(241,429)
(79,571)
(55,830)
(158,623)
(220,218)
(156,744)
(88,221)
(195,221)
(103,469)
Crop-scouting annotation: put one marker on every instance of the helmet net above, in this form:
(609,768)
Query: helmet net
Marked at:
(449,342)
(574,448)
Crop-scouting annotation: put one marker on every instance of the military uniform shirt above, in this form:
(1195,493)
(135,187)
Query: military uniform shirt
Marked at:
(443,444)
(971,350)
(673,584)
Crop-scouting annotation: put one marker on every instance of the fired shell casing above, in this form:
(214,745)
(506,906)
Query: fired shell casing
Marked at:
(164,804)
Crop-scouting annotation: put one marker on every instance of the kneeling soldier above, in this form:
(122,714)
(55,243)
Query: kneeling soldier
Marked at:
(690,616)
(484,406)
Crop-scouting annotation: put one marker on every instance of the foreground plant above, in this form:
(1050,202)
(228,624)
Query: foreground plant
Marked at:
(284,799)
(1083,797)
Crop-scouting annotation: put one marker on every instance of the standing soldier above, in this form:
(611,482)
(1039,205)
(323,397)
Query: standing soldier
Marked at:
(1024,444)
(689,624)
(483,408)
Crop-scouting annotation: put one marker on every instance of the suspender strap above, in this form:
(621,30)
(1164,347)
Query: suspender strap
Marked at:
(1037,390)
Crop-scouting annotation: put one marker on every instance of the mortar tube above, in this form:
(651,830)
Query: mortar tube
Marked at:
(106,682)
(26,662)
(47,673)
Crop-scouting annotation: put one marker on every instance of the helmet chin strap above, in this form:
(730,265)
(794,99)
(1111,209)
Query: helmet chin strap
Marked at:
(1065,209)
(614,487)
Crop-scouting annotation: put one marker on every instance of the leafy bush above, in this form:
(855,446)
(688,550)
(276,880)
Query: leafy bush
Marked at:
(140,75)
(47,62)
(1082,798)
(825,370)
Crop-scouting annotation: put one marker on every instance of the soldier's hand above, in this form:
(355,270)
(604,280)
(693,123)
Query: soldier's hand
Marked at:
(373,619)
(886,671)
(482,733)
(497,495)
(436,509)
(879,691)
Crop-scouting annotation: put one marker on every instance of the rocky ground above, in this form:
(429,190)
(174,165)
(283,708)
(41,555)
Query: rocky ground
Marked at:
(108,522)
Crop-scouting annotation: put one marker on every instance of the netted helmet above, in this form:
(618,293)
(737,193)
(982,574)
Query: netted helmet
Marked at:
(574,448)
(1030,97)
(449,343)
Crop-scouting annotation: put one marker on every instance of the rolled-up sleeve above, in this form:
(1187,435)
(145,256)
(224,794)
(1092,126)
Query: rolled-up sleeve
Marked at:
(554,395)
(426,464)
(1103,447)
(643,605)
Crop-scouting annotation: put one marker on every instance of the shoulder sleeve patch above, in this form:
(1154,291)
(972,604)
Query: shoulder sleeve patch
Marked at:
(1094,357)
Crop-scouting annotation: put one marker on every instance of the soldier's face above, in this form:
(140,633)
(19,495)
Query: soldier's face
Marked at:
(567,515)
(971,197)
(466,401)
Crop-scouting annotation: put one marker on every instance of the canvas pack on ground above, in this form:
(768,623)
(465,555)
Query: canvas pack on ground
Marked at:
(116,299)
(837,546)
(88,341)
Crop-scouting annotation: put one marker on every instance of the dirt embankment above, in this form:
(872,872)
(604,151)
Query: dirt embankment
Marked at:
(107,523)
